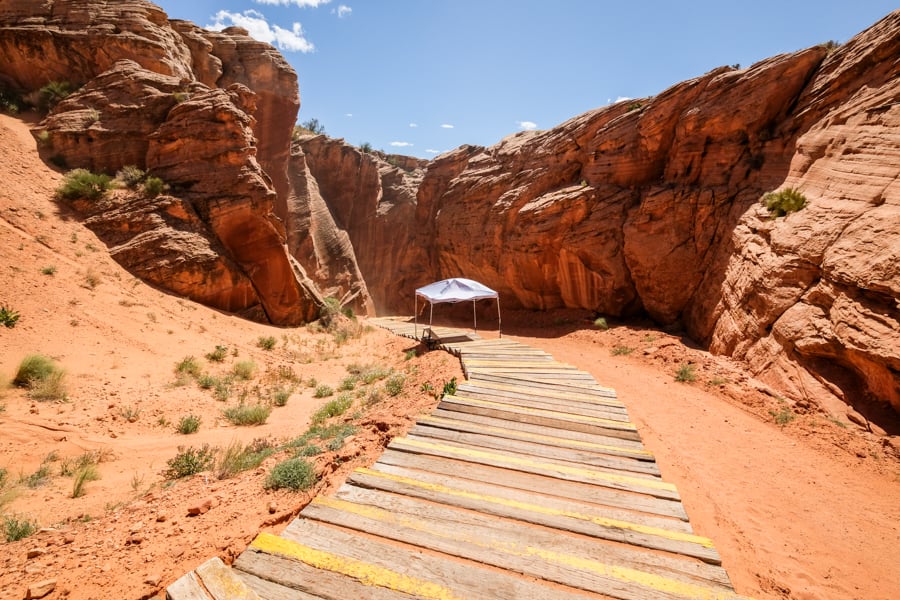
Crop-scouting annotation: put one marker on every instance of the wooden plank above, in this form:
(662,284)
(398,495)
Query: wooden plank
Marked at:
(561,387)
(629,483)
(547,392)
(425,575)
(537,401)
(271,590)
(565,437)
(451,490)
(522,484)
(187,587)
(532,448)
(278,577)
(589,524)
(221,583)
(547,418)
(594,565)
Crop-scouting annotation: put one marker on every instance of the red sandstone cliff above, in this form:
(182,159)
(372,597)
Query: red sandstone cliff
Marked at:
(210,113)
(653,207)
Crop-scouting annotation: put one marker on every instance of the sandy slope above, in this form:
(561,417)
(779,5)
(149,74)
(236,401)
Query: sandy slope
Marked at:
(808,510)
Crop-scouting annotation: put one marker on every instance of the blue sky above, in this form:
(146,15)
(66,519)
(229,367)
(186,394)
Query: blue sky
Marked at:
(421,77)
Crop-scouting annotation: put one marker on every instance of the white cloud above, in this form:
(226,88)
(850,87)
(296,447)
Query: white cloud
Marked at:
(255,23)
(432,151)
(348,114)
(300,3)
(622,99)
(401,144)
(413,124)
(527,125)
(446,126)
(342,11)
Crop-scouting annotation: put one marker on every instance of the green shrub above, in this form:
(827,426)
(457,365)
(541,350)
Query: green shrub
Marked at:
(38,478)
(328,312)
(601,324)
(310,450)
(244,369)
(8,317)
(17,529)
(394,384)
(449,388)
(207,381)
(347,383)
(189,461)
(219,354)
(332,408)
(33,368)
(154,186)
(323,391)
(188,424)
(237,457)
(266,342)
(621,350)
(247,414)
(52,93)
(49,270)
(85,474)
(281,395)
(188,366)
(43,378)
(130,413)
(784,202)
(783,416)
(295,474)
(10,102)
(130,176)
(685,373)
(82,184)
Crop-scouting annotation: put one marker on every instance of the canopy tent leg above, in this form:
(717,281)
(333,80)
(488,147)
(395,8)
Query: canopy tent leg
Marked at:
(416,317)
(474,316)
(499,325)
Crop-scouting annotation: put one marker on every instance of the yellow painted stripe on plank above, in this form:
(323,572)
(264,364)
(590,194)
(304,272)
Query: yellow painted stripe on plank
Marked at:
(655,484)
(623,574)
(365,573)
(536,508)
(545,412)
(524,435)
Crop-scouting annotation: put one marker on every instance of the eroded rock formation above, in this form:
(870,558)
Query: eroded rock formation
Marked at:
(210,113)
(653,207)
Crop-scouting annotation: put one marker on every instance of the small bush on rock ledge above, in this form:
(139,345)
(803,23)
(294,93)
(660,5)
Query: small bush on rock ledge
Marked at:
(784,202)
(81,183)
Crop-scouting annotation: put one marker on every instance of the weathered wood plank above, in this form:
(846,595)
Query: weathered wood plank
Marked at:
(187,587)
(221,583)
(538,401)
(425,575)
(278,577)
(577,439)
(452,490)
(519,484)
(583,523)
(547,418)
(592,390)
(595,565)
(532,448)
(627,482)
(271,590)
(549,392)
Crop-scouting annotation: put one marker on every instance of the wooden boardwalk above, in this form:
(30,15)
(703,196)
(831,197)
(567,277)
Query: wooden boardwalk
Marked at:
(529,482)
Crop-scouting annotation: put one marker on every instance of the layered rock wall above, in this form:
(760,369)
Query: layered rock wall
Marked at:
(653,207)
(209,112)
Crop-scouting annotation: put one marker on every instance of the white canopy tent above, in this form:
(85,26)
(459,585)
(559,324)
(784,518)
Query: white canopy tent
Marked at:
(456,289)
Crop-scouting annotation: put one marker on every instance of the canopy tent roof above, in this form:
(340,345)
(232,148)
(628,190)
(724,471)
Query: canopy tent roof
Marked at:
(456,289)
